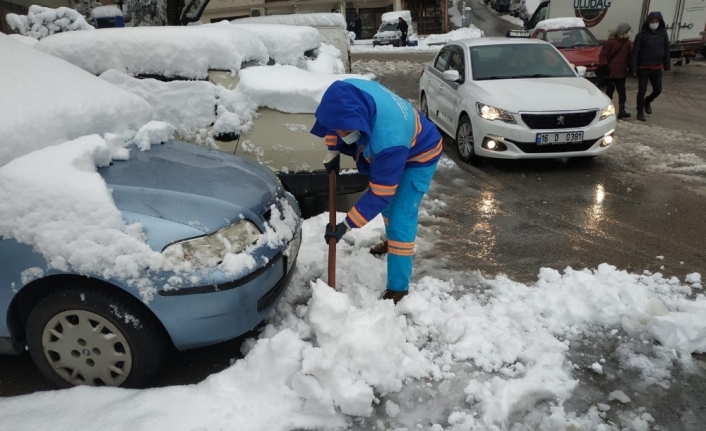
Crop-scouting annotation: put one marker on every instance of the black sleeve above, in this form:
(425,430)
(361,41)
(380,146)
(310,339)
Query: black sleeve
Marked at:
(667,56)
(635,53)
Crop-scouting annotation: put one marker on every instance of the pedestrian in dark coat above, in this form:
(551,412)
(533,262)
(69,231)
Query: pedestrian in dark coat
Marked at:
(403,27)
(358,27)
(615,54)
(650,56)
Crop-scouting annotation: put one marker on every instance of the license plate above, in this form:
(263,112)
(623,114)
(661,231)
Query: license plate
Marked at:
(590,74)
(559,138)
(384,42)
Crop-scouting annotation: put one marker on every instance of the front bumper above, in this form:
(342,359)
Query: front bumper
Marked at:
(209,314)
(519,141)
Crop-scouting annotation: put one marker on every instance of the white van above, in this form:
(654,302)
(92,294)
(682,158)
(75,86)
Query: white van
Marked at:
(388,34)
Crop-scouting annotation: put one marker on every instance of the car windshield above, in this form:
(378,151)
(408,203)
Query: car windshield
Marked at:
(388,27)
(513,61)
(571,38)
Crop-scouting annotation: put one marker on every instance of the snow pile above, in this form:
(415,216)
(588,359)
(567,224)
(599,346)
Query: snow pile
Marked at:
(41,22)
(154,132)
(185,52)
(106,12)
(327,353)
(80,104)
(306,19)
(286,44)
(191,106)
(560,23)
(29,41)
(327,61)
(471,32)
(286,88)
(393,17)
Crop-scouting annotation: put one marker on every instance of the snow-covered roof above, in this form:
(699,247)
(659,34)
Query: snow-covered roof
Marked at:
(106,12)
(42,21)
(187,52)
(310,19)
(285,43)
(390,17)
(46,101)
(560,23)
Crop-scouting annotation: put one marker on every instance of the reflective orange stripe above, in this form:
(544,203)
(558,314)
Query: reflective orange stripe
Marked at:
(358,219)
(382,190)
(417,128)
(428,155)
(400,248)
(331,140)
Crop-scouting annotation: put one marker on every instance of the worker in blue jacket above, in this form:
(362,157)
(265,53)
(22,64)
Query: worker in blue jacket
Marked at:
(398,147)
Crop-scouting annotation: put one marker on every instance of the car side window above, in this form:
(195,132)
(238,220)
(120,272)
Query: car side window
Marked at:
(456,63)
(442,60)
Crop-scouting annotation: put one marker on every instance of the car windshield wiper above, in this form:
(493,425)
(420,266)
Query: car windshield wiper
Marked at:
(490,78)
(536,75)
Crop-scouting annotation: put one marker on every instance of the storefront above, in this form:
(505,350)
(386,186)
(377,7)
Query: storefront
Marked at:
(431,16)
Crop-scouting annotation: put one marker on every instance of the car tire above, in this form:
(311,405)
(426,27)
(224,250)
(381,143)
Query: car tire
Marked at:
(465,144)
(88,335)
(423,106)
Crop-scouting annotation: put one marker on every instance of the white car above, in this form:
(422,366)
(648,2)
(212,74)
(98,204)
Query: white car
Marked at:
(515,98)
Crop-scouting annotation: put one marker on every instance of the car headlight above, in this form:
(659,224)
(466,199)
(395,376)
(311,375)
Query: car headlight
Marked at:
(211,249)
(608,111)
(491,113)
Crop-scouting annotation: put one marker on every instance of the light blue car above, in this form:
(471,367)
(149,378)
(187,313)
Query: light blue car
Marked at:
(88,331)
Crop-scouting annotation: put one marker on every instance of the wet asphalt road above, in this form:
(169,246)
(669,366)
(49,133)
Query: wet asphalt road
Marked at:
(515,217)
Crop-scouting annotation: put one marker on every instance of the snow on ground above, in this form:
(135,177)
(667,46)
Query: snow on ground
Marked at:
(433,42)
(470,32)
(153,50)
(382,68)
(456,354)
(41,22)
(513,19)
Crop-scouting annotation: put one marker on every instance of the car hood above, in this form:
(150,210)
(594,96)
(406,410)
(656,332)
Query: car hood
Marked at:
(540,94)
(202,188)
(582,56)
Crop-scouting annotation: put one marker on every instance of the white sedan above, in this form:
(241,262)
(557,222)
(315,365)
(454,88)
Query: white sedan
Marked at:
(515,98)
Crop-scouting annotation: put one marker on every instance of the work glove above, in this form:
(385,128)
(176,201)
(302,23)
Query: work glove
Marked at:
(332,162)
(338,233)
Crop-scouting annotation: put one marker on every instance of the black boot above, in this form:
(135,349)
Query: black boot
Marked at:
(641,115)
(648,107)
(379,249)
(395,296)
(622,113)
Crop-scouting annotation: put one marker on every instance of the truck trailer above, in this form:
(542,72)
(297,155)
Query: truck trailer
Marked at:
(685,19)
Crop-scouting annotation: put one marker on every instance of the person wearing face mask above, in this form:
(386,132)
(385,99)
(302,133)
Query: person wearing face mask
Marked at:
(398,148)
(615,56)
(650,56)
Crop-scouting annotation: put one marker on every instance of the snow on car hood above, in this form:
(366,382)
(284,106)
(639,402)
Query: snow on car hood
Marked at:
(175,181)
(46,101)
(286,44)
(186,52)
(541,94)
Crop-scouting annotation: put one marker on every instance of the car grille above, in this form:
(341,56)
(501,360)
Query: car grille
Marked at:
(560,120)
(533,148)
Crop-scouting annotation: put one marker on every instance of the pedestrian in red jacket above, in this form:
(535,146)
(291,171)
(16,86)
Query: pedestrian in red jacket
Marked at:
(616,55)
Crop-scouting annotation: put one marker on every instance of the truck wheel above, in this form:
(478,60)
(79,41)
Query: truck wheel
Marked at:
(91,336)
(464,140)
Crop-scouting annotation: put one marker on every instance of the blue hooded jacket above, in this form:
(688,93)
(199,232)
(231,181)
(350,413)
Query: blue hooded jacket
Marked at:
(394,136)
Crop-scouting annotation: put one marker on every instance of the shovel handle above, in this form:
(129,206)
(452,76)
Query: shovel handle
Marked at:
(332,220)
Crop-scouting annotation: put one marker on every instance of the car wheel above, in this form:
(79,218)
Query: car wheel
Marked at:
(424,106)
(465,141)
(91,336)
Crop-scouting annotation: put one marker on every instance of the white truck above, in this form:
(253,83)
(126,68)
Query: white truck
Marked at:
(685,19)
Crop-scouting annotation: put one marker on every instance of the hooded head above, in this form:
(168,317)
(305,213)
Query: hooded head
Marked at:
(654,17)
(344,107)
(622,29)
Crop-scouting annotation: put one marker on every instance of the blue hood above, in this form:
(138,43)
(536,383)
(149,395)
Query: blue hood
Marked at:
(186,183)
(344,107)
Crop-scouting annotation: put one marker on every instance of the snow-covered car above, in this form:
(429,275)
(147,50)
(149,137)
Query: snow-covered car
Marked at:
(114,251)
(388,34)
(571,37)
(515,98)
(252,124)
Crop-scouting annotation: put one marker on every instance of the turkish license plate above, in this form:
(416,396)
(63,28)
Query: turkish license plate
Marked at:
(559,138)
(384,42)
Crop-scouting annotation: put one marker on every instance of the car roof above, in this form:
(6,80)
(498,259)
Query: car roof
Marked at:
(489,41)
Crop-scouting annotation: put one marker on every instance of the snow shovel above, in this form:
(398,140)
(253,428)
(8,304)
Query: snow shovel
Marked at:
(332,220)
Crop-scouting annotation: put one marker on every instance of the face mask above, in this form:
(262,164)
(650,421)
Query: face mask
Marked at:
(351,138)
(654,26)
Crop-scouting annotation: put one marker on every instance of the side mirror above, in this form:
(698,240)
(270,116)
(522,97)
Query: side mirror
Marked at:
(451,75)
(581,70)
